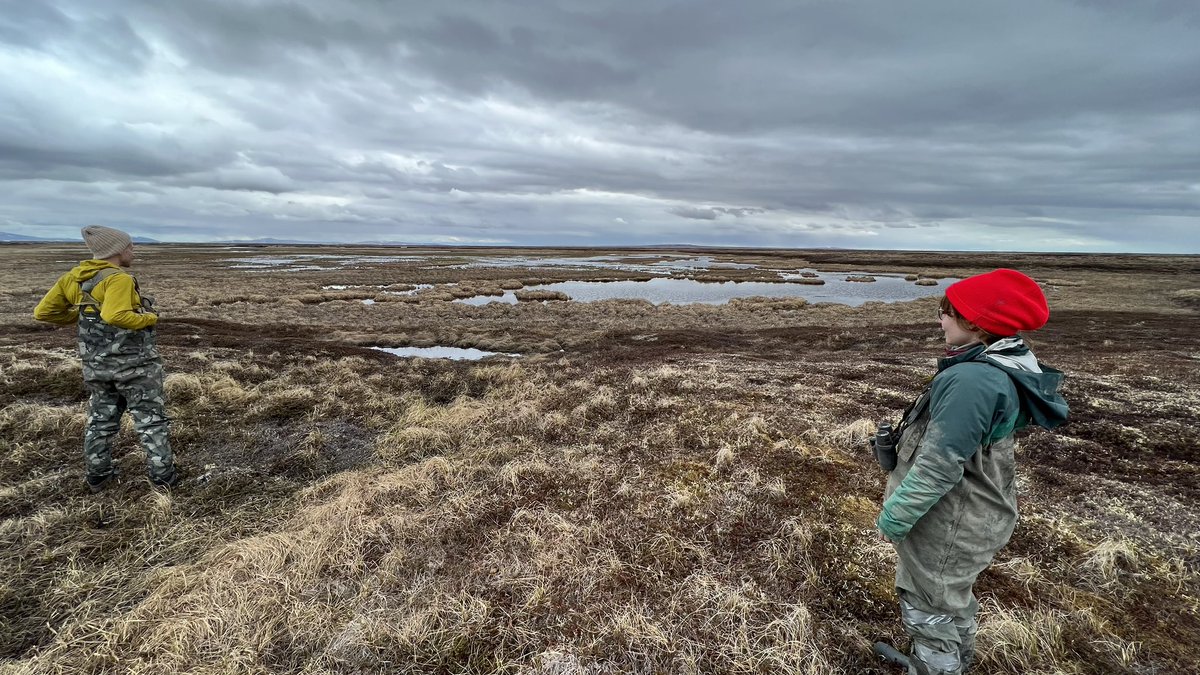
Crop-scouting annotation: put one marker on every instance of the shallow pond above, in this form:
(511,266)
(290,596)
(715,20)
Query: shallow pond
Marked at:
(296,263)
(452,353)
(686,291)
(666,262)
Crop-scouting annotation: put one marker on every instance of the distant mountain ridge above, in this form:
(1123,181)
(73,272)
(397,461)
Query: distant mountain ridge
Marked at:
(10,237)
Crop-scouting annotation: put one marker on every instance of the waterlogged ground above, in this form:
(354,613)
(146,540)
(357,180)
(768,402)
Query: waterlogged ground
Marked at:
(663,278)
(648,488)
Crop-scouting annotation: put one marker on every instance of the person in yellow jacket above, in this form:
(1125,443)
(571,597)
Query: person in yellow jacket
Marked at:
(121,366)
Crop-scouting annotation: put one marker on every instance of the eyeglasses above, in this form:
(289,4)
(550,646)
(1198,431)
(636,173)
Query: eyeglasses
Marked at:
(942,313)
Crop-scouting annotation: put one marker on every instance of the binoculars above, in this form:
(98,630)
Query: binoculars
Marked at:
(883,444)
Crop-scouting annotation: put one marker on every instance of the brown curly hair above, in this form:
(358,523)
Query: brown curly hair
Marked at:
(947,308)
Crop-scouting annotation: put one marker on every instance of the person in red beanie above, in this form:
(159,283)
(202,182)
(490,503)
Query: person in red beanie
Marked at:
(950,502)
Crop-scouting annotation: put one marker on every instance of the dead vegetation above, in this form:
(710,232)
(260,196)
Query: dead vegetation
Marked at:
(683,490)
(1189,297)
(541,296)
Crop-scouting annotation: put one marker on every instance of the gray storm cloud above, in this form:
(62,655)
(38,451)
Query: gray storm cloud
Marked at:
(1048,125)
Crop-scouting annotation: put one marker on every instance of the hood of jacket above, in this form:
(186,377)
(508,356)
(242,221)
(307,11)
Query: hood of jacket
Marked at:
(1037,384)
(89,268)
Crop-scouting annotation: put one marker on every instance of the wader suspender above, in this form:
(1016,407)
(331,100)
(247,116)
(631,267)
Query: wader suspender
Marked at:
(88,306)
(904,420)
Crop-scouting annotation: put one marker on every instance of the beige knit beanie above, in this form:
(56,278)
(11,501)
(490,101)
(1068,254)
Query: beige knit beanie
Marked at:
(105,242)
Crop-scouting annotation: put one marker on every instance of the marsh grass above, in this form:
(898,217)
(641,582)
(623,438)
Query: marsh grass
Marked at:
(531,492)
(685,490)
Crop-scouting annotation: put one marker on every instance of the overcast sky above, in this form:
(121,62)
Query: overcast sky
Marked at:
(1017,125)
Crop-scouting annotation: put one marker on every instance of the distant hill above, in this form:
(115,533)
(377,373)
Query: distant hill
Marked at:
(10,237)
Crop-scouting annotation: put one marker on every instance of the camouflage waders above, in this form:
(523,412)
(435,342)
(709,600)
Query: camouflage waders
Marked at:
(123,372)
(138,389)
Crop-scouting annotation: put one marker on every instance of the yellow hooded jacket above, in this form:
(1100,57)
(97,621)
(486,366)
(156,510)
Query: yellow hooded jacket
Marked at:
(120,304)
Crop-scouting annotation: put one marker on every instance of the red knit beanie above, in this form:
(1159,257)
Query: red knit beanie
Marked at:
(1003,302)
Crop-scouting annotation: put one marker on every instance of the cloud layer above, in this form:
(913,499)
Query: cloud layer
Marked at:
(1047,125)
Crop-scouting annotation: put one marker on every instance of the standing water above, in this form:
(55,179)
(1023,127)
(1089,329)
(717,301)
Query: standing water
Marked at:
(686,291)
(452,353)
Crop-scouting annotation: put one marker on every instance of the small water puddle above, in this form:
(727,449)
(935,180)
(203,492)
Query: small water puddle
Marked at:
(686,291)
(702,263)
(452,353)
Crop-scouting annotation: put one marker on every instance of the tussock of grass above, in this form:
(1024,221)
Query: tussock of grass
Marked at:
(183,387)
(284,403)
(1112,560)
(1027,641)
(541,296)
(854,436)
(754,303)
(42,423)
(1189,297)
(489,290)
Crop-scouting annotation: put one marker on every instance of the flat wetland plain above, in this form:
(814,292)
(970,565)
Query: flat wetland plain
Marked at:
(648,489)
